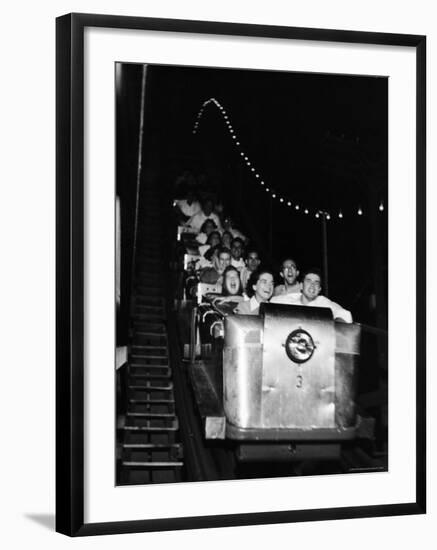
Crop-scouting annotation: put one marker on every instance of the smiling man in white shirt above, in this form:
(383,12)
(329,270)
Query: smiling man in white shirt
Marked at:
(310,296)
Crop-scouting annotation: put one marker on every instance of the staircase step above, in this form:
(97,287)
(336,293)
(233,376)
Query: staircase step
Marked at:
(152,328)
(156,333)
(148,376)
(146,361)
(139,348)
(145,339)
(152,464)
(135,436)
(143,325)
(145,352)
(152,446)
(145,316)
(151,415)
(158,360)
(148,387)
(149,340)
(151,401)
(146,347)
(174,427)
(138,351)
(137,358)
(151,367)
(162,409)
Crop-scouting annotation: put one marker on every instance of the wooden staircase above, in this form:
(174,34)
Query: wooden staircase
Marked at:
(149,444)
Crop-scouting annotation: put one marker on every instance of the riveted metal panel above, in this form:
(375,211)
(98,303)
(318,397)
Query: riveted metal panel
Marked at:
(347,338)
(345,387)
(347,351)
(299,393)
(242,370)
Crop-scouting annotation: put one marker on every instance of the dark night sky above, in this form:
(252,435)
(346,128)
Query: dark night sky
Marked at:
(319,140)
(290,124)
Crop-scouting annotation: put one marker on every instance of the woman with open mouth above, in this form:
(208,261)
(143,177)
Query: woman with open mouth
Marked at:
(232,287)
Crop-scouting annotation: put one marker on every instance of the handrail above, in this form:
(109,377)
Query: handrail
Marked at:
(139,167)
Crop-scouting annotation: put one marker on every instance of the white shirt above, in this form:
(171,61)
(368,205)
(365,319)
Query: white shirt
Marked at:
(188,209)
(321,301)
(196,221)
(201,238)
(239,264)
(204,248)
(281,289)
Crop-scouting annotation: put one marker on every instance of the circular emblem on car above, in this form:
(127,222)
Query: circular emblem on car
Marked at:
(299,346)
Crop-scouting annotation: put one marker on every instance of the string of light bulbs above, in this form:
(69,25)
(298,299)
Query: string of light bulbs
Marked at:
(298,207)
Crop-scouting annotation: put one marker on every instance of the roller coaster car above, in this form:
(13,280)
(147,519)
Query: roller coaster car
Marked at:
(286,375)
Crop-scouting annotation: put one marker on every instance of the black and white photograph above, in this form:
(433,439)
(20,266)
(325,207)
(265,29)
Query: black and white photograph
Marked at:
(219,251)
(251,284)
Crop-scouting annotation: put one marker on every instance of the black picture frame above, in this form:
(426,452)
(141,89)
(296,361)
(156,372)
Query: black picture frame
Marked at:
(70,273)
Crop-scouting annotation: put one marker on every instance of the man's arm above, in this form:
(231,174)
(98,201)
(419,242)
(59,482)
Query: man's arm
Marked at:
(341,314)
